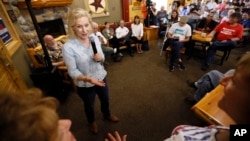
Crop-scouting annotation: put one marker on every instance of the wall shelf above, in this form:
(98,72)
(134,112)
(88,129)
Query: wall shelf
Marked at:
(44,3)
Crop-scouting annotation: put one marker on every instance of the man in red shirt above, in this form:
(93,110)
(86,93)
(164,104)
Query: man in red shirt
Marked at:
(228,33)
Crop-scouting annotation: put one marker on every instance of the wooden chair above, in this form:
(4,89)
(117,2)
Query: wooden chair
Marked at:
(207,108)
(168,53)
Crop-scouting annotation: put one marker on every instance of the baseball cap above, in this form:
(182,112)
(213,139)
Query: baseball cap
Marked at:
(183,19)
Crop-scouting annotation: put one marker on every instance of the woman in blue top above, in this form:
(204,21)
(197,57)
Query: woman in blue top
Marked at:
(85,67)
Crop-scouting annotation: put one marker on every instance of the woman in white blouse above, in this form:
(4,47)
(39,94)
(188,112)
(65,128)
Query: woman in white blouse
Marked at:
(137,33)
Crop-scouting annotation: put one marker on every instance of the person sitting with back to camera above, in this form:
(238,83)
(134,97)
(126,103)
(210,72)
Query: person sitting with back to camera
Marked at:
(178,34)
(228,33)
(137,33)
(54,50)
(123,35)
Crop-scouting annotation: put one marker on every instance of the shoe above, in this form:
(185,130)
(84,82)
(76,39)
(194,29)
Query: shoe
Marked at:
(205,67)
(120,54)
(171,68)
(190,100)
(112,118)
(191,84)
(93,128)
(181,66)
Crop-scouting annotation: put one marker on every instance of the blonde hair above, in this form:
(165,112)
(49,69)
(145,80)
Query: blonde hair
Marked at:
(244,65)
(73,16)
(27,116)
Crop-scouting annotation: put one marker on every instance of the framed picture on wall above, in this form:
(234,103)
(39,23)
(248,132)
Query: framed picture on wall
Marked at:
(4,33)
(97,8)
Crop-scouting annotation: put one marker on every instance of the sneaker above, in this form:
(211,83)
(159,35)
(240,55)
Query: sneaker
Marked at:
(191,84)
(205,67)
(181,66)
(115,50)
(171,68)
(120,54)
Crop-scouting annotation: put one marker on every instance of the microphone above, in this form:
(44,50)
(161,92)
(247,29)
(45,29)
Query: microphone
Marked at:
(92,41)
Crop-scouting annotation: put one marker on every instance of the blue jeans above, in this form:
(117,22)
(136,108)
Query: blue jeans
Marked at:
(207,83)
(218,45)
(175,53)
(87,94)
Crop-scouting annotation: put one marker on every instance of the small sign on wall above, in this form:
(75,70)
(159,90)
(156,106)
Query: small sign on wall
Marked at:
(4,33)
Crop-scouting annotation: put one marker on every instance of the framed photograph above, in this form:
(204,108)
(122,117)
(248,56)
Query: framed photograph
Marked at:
(97,8)
(4,33)
(12,15)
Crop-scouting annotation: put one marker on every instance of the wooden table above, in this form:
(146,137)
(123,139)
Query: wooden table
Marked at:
(197,37)
(208,108)
(152,32)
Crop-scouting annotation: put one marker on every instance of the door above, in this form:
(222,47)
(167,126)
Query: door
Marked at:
(10,79)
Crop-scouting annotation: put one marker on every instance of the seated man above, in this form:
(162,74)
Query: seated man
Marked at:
(178,34)
(205,84)
(106,50)
(123,35)
(246,25)
(207,24)
(54,49)
(228,33)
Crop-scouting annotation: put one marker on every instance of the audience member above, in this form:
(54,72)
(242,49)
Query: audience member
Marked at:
(207,24)
(226,18)
(235,85)
(54,49)
(153,14)
(185,10)
(228,33)
(123,35)
(106,50)
(178,34)
(236,5)
(174,17)
(85,67)
(144,11)
(212,5)
(246,25)
(205,84)
(193,16)
(162,16)
(137,33)
(27,116)
(109,34)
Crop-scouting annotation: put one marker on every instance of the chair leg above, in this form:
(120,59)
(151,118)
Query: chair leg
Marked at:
(223,57)
(228,54)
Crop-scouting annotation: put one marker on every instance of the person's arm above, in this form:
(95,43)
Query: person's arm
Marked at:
(102,38)
(116,137)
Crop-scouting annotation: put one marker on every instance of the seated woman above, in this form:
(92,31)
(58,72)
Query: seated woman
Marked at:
(54,50)
(173,19)
(137,33)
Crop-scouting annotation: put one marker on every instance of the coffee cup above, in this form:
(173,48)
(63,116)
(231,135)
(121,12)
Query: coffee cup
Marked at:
(203,34)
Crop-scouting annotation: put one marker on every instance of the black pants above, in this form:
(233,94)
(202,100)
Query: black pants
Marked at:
(87,94)
(115,43)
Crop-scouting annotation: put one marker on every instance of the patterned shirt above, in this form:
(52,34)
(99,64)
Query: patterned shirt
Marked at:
(79,60)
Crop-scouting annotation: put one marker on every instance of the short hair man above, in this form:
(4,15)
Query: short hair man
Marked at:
(178,34)
(228,33)
(54,49)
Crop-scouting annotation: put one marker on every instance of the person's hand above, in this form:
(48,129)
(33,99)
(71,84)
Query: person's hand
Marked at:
(224,41)
(138,37)
(116,137)
(210,35)
(96,82)
(98,57)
